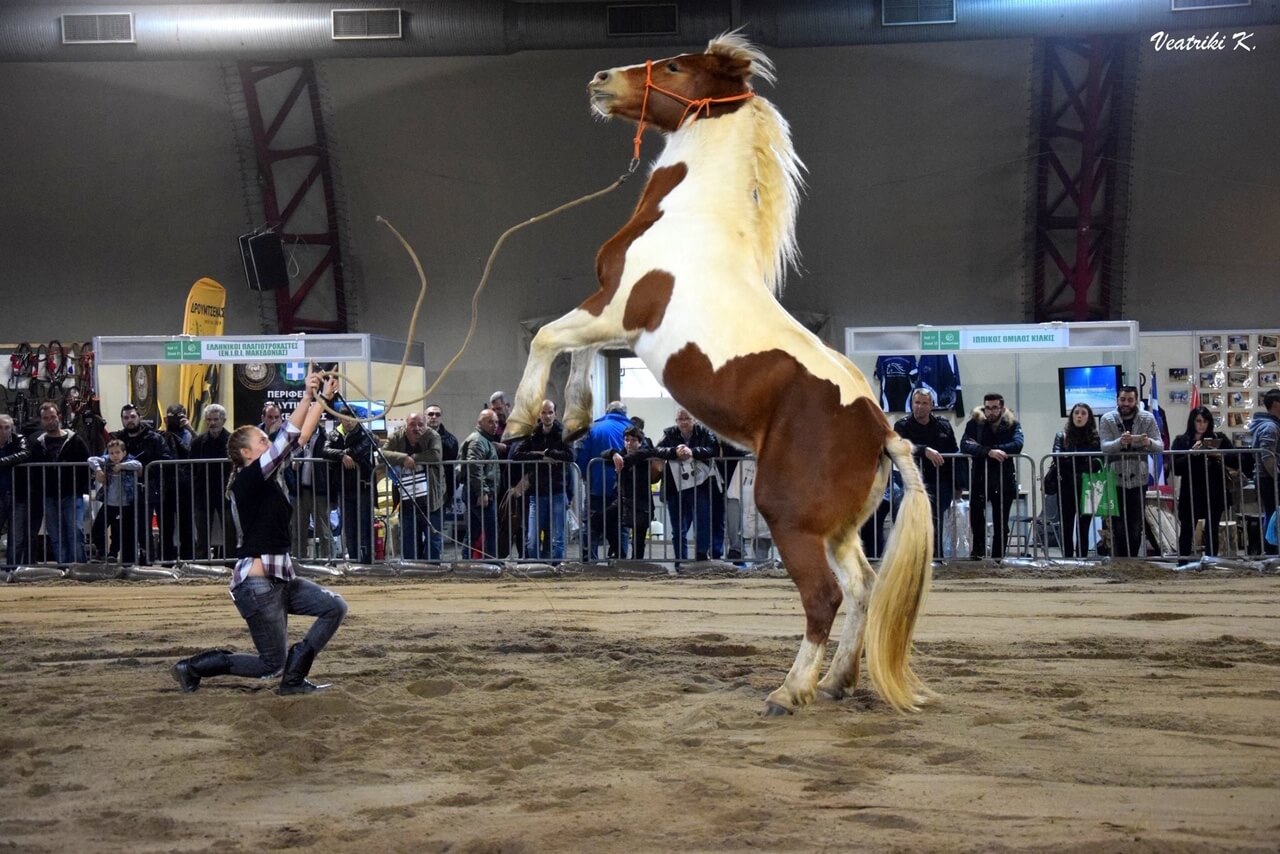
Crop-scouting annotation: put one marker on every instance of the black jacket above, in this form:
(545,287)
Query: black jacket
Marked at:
(145,446)
(210,478)
(178,444)
(634,497)
(550,453)
(702,442)
(937,434)
(1204,486)
(68,479)
(359,444)
(981,437)
(1069,469)
(448,453)
(14,454)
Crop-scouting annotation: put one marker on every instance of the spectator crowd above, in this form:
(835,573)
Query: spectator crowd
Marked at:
(139,495)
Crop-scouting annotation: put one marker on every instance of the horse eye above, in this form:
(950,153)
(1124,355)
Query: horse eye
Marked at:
(671,66)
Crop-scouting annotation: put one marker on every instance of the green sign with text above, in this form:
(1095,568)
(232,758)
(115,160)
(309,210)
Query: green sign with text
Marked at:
(940,339)
(182,351)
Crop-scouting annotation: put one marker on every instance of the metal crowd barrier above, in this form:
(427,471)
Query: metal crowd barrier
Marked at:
(500,510)
(1207,508)
(668,511)
(47,513)
(174,512)
(981,508)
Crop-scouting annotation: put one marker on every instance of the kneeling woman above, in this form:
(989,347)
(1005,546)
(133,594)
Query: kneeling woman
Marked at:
(263,584)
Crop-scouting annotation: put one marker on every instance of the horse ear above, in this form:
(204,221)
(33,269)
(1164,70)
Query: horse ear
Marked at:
(736,67)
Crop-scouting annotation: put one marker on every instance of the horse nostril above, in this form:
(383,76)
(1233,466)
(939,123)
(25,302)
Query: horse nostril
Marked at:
(601,76)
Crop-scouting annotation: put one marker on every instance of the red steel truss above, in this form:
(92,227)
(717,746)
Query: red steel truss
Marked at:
(286,124)
(1081,177)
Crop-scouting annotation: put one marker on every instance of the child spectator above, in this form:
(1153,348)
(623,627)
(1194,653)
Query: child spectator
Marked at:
(117,471)
(632,508)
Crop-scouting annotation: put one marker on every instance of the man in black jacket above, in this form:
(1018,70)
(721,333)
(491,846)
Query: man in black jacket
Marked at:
(13,452)
(352,445)
(448,450)
(992,436)
(210,470)
(689,482)
(63,485)
(144,444)
(932,437)
(176,496)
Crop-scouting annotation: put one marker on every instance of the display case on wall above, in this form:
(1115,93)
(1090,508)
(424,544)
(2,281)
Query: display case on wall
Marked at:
(1233,370)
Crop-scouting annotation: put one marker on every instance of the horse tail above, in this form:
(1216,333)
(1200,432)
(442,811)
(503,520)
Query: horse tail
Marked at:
(899,591)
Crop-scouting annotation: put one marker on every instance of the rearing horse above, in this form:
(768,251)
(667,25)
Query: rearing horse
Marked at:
(690,284)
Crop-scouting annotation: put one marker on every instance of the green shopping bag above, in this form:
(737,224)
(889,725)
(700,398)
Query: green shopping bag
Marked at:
(1098,496)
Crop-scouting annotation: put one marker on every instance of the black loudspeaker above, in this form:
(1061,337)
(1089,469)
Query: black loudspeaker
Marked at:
(264,266)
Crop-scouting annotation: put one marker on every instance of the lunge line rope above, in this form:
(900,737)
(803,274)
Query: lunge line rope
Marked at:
(475,301)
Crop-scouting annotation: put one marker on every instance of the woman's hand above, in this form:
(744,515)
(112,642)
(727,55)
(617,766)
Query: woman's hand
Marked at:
(330,388)
(313,385)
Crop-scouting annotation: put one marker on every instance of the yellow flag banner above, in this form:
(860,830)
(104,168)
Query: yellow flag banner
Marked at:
(198,384)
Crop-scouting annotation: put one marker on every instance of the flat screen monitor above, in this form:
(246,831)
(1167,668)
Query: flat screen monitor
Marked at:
(1096,385)
(367,408)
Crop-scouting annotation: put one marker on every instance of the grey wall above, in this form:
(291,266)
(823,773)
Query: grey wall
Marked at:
(119,187)
(1203,251)
(122,186)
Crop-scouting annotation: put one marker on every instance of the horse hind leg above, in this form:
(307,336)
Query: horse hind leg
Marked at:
(804,555)
(856,577)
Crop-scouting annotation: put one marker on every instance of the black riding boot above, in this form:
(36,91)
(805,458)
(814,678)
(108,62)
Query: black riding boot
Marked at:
(211,662)
(296,667)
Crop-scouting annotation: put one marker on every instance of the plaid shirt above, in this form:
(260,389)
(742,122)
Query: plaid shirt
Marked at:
(276,566)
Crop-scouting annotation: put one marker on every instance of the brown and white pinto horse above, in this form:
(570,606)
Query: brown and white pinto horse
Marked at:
(690,285)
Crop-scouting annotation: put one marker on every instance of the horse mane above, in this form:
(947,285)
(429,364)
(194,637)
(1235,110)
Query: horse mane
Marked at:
(778,170)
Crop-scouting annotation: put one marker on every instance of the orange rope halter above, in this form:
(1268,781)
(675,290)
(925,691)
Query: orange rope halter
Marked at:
(696,106)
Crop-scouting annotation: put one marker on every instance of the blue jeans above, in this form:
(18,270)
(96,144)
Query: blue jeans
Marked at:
(1267,497)
(420,531)
(61,519)
(691,506)
(546,521)
(266,603)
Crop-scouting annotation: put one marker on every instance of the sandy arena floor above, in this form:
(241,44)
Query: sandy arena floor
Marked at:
(1120,712)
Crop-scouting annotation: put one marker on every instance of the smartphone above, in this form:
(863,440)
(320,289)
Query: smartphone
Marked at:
(1208,442)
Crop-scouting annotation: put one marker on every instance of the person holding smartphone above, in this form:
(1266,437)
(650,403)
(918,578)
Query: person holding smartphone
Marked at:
(1203,491)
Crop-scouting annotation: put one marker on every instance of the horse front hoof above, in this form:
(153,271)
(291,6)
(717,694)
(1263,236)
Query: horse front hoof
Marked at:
(834,695)
(516,430)
(773,710)
(575,434)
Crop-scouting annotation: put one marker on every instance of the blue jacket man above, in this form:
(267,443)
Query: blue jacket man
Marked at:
(605,433)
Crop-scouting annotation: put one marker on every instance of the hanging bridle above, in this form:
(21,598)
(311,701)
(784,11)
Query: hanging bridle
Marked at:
(695,106)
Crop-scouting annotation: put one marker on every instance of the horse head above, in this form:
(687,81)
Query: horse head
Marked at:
(664,92)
